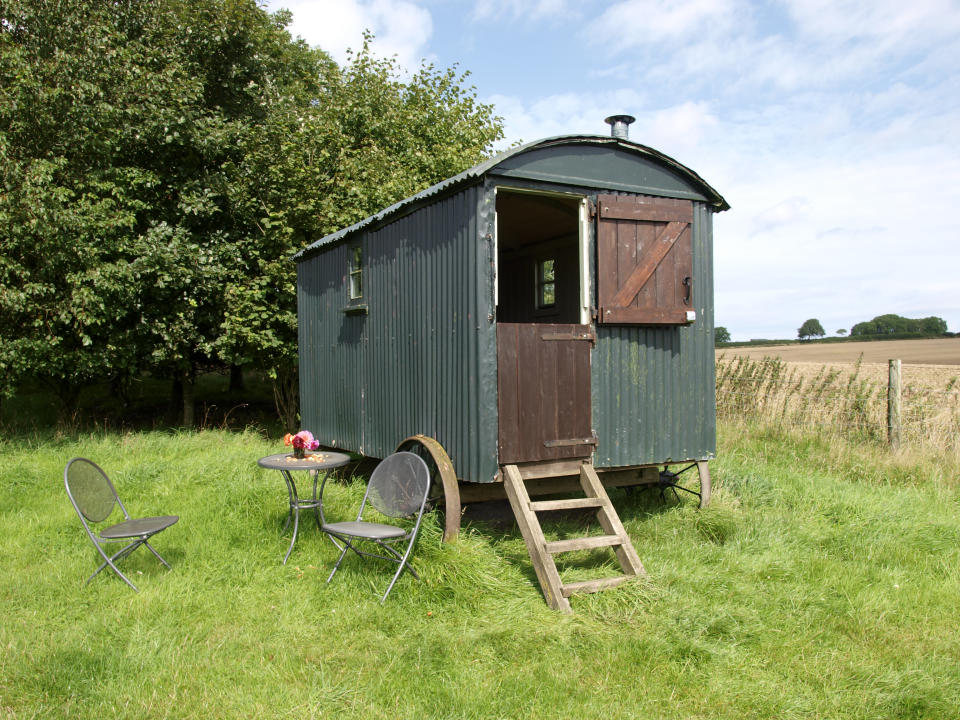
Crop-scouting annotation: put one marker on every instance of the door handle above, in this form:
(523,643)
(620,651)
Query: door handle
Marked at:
(688,284)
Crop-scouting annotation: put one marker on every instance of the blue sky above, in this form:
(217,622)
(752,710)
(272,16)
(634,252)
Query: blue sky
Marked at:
(831,127)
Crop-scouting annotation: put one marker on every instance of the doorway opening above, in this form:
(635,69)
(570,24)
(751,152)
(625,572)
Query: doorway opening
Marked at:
(541,258)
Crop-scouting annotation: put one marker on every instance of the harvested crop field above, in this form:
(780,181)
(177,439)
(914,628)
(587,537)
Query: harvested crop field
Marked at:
(842,388)
(936,351)
(927,364)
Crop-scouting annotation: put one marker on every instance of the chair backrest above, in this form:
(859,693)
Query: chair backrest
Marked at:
(399,485)
(90,490)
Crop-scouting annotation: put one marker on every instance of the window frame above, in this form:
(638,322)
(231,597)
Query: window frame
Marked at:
(355,273)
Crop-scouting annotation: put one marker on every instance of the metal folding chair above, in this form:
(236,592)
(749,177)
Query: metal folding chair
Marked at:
(398,488)
(94,498)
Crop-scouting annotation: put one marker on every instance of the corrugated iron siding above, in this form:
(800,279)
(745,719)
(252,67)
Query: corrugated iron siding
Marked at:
(423,358)
(654,387)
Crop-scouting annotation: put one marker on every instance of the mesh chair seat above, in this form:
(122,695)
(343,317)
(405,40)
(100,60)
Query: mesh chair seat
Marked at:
(398,488)
(364,529)
(95,499)
(138,527)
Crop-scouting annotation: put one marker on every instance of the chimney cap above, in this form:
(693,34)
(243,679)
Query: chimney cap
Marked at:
(619,125)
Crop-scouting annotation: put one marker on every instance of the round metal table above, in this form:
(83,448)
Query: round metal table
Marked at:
(286,464)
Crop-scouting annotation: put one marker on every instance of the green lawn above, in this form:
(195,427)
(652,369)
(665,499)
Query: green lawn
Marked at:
(823,582)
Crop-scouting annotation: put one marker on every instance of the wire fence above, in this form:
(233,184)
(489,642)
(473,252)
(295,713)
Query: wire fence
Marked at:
(838,401)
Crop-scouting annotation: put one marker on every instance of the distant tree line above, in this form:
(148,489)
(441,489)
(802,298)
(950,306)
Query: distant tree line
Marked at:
(882,325)
(896,325)
(160,162)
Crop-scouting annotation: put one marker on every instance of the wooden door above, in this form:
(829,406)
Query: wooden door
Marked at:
(644,260)
(543,393)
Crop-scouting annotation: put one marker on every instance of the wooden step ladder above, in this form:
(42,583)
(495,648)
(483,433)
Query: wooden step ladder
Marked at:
(541,551)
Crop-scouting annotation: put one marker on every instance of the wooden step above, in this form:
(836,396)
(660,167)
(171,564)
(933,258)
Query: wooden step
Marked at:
(591,586)
(583,543)
(555,592)
(569,504)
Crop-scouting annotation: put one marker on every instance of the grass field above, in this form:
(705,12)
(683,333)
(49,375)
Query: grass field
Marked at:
(821,583)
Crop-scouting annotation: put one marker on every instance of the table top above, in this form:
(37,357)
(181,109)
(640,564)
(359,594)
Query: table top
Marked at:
(324,460)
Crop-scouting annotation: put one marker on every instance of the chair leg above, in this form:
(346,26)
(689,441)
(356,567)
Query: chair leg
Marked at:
(156,554)
(404,565)
(109,560)
(346,546)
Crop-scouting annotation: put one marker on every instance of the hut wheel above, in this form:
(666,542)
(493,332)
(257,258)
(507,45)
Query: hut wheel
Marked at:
(443,480)
(697,484)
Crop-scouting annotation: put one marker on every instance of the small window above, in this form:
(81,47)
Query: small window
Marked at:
(356,272)
(546,283)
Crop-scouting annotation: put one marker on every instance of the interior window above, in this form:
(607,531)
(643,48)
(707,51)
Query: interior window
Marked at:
(546,283)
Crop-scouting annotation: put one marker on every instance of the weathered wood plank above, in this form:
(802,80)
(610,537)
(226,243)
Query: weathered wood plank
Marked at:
(705,488)
(566,504)
(543,565)
(528,392)
(610,522)
(656,209)
(592,586)
(583,543)
(508,407)
(650,316)
(549,385)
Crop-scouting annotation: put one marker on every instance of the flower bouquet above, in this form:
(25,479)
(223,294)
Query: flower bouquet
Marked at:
(301,442)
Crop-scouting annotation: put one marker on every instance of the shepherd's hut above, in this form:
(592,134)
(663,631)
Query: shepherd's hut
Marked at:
(542,316)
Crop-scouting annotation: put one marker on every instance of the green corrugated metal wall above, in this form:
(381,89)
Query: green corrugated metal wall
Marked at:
(654,387)
(423,360)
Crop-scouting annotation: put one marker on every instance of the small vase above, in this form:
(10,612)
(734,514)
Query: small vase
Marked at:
(299,453)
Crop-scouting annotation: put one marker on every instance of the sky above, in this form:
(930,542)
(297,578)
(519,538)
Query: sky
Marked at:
(832,127)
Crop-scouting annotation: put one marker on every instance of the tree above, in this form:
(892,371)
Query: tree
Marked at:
(933,326)
(324,160)
(841,332)
(162,161)
(895,324)
(721,335)
(811,328)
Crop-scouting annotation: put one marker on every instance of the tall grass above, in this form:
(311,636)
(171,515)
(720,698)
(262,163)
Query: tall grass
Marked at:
(835,403)
(821,583)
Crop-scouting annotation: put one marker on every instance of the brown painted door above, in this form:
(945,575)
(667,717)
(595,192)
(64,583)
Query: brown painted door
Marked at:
(644,260)
(543,395)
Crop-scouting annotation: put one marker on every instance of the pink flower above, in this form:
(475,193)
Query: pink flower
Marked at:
(303,439)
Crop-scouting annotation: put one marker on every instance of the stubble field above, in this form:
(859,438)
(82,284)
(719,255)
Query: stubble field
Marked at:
(842,388)
(936,351)
(929,364)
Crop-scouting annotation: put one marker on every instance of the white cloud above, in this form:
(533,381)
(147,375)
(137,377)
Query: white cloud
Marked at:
(402,28)
(529,10)
(677,131)
(884,21)
(653,23)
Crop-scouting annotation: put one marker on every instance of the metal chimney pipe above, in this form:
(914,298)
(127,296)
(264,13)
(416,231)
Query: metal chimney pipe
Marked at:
(619,126)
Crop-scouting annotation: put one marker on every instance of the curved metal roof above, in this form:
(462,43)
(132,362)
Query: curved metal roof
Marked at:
(488,166)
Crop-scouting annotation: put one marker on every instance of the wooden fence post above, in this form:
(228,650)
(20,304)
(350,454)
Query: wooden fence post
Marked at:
(893,405)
